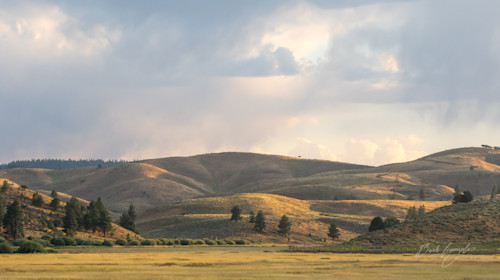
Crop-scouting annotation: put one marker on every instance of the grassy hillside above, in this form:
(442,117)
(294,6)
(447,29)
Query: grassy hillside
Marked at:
(43,220)
(209,217)
(154,182)
(478,221)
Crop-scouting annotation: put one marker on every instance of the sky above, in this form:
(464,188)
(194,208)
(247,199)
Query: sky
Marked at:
(369,82)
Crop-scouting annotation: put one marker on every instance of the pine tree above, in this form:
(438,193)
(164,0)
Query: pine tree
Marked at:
(390,222)
(37,199)
(251,218)
(2,210)
(70,221)
(333,231)
(54,204)
(411,214)
(53,194)
(421,211)
(104,221)
(131,212)
(493,192)
(13,222)
(260,222)
(235,213)
(285,225)
(5,186)
(421,194)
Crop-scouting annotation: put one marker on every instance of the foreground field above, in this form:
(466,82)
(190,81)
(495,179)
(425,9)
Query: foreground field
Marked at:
(240,263)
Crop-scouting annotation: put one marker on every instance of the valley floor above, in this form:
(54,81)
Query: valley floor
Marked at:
(240,263)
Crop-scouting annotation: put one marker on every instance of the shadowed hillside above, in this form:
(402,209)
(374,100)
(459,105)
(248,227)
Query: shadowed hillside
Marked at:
(478,221)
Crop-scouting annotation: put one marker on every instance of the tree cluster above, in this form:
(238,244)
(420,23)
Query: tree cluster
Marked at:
(414,213)
(94,217)
(378,223)
(59,163)
(13,219)
(464,197)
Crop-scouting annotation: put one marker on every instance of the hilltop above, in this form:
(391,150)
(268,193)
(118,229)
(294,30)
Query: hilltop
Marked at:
(477,221)
(153,182)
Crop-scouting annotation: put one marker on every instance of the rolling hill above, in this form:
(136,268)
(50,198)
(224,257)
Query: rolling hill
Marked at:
(477,221)
(42,220)
(209,217)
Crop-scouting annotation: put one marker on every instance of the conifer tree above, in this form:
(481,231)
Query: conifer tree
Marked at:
(333,232)
(13,222)
(421,211)
(53,194)
(37,199)
(54,204)
(260,222)
(127,219)
(104,221)
(421,194)
(376,224)
(131,212)
(235,213)
(251,218)
(70,221)
(285,225)
(411,214)
(2,210)
(494,191)
(5,186)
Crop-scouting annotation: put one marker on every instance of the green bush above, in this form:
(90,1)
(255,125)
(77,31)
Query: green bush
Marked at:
(165,241)
(31,247)
(210,242)
(19,242)
(177,242)
(46,237)
(68,241)
(2,239)
(107,243)
(148,242)
(58,241)
(221,242)
(134,242)
(199,242)
(5,248)
(186,242)
(242,242)
(230,242)
(44,242)
(121,241)
(170,242)
(79,241)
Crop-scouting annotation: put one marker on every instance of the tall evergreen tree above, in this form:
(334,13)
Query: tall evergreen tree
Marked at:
(53,194)
(37,199)
(260,222)
(333,231)
(411,214)
(2,210)
(70,221)
(13,221)
(235,213)
(285,225)
(494,191)
(421,194)
(127,219)
(104,221)
(251,218)
(5,186)
(55,203)
(421,211)
(131,212)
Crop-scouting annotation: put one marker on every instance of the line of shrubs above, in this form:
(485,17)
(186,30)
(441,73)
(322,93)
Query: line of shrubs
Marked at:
(45,244)
(183,241)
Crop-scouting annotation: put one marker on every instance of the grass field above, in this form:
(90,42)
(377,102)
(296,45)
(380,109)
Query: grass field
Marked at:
(239,263)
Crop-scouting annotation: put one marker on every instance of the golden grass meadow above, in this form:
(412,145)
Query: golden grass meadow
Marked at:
(249,262)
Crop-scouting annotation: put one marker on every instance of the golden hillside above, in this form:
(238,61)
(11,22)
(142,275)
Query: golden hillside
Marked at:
(209,217)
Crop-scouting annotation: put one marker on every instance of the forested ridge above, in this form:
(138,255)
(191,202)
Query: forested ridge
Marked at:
(59,163)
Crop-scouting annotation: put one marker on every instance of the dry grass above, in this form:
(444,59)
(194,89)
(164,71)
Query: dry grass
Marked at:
(239,263)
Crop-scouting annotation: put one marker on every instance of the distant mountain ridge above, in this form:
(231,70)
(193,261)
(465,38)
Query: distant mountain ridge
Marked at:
(59,163)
